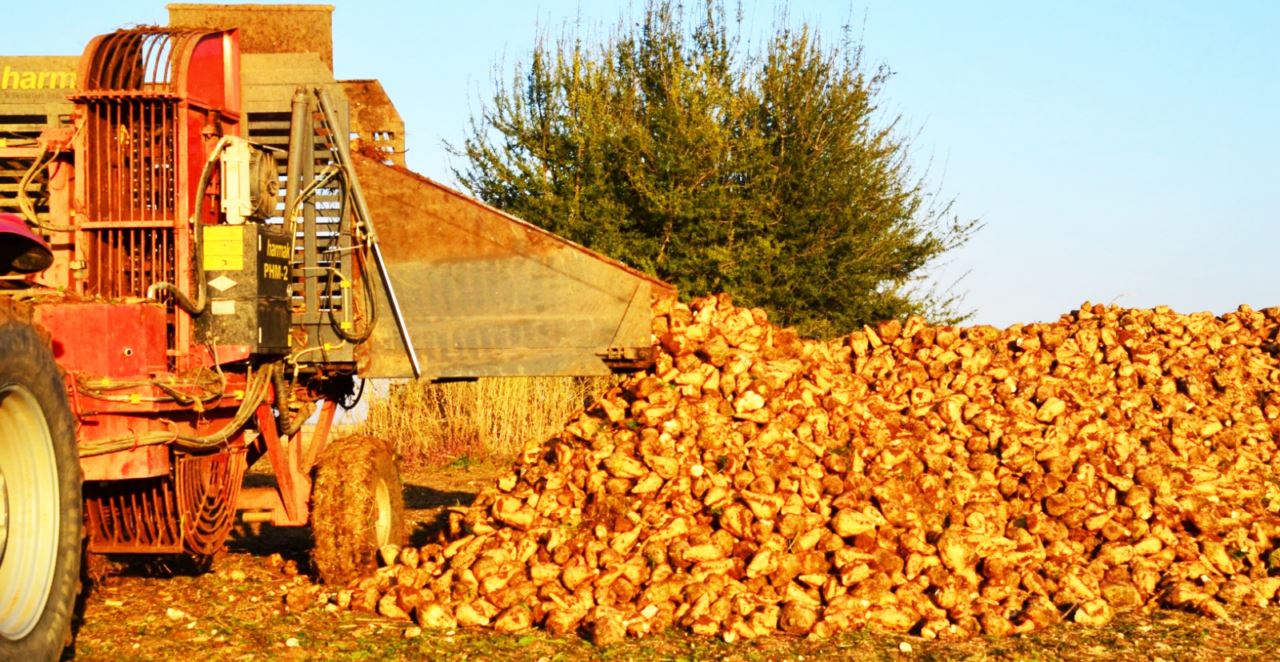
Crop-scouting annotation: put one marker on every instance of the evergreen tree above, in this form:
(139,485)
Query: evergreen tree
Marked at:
(767,176)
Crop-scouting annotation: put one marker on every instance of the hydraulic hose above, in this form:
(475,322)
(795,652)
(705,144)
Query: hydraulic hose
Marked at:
(370,302)
(287,423)
(255,392)
(195,308)
(25,205)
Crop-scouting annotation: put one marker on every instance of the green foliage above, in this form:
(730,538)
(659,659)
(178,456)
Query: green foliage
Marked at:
(767,176)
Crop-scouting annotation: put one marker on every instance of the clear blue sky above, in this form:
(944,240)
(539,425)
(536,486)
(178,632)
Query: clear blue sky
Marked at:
(1116,152)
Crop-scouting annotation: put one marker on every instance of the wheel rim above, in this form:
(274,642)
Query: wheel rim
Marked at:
(31,509)
(382,504)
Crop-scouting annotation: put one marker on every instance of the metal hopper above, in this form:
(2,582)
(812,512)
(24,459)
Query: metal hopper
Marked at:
(486,294)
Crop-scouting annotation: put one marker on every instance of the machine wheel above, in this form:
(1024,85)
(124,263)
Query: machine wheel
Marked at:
(357,507)
(40,508)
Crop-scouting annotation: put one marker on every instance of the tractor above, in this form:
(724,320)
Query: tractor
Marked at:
(208,243)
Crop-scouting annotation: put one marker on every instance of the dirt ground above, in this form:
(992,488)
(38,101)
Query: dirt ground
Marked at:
(236,610)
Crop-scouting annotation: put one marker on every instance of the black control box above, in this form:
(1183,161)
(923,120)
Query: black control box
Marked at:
(247,273)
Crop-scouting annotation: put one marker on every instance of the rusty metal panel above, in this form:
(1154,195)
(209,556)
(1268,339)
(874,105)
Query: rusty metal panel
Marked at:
(486,294)
(375,120)
(265,28)
(271,79)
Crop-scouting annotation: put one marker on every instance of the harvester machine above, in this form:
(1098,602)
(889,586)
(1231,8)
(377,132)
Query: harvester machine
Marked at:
(207,240)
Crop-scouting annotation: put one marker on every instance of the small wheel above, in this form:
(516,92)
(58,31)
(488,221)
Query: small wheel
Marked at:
(40,508)
(357,506)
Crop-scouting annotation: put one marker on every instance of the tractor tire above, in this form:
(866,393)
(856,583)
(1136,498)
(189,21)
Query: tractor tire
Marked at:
(41,523)
(357,506)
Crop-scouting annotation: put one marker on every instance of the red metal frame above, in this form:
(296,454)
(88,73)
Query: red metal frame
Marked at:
(122,187)
(153,104)
(151,107)
(286,459)
(288,503)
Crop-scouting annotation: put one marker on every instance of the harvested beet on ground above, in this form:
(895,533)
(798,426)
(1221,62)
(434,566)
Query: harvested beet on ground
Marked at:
(936,480)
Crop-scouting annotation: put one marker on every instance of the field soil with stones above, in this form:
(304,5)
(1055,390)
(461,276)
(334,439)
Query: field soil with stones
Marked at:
(236,611)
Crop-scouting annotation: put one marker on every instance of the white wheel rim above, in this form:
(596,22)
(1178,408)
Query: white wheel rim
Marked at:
(30,508)
(382,502)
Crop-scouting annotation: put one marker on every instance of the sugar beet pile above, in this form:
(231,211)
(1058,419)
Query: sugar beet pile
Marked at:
(935,480)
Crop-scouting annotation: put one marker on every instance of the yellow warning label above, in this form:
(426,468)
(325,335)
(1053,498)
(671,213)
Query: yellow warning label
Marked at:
(224,247)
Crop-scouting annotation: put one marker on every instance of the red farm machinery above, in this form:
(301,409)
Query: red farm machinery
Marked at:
(207,240)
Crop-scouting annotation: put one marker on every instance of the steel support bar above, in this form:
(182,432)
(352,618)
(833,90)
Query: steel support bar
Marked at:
(319,436)
(292,483)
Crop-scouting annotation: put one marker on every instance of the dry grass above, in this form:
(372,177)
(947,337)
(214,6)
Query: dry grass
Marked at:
(434,424)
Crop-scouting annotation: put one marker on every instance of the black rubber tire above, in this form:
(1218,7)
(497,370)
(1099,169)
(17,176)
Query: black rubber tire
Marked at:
(357,488)
(26,362)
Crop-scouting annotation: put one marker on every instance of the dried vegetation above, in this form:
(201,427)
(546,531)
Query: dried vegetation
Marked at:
(934,480)
(432,424)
